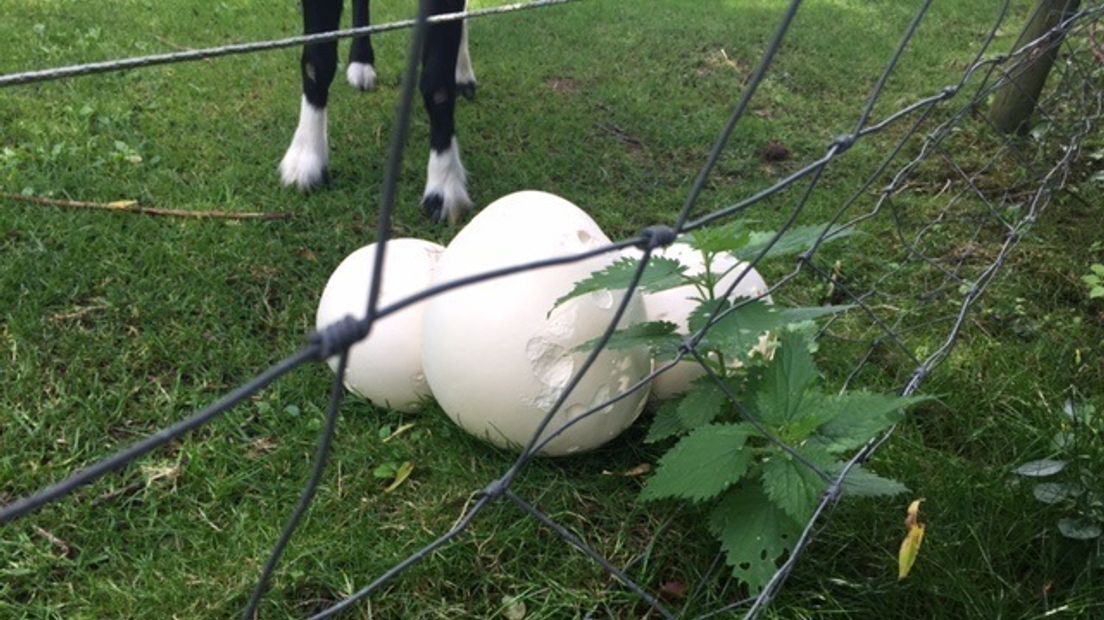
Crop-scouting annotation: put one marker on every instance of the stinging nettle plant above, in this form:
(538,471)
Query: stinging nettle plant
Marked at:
(756,442)
(1071,483)
(1095,281)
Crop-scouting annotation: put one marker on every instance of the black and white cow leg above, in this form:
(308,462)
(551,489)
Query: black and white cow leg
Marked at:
(306,162)
(465,74)
(307,159)
(446,193)
(361,71)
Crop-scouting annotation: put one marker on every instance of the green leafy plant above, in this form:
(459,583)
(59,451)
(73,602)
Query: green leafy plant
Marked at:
(1072,481)
(755,443)
(1095,280)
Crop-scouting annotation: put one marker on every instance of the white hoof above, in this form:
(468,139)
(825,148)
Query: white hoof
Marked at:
(305,163)
(361,76)
(446,192)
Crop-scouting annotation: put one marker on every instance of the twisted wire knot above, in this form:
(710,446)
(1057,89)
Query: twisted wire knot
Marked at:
(658,236)
(686,347)
(339,336)
(844,142)
(497,488)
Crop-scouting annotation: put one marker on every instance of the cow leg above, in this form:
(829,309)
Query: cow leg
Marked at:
(446,194)
(361,71)
(306,161)
(465,74)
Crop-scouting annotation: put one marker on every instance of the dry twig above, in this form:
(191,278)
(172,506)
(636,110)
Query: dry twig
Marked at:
(1094,45)
(132,206)
(58,543)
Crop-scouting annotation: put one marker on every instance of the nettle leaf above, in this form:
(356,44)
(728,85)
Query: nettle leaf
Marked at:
(658,336)
(802,426)
(800,315)
(1062,440)
(729,238)
(783,392)
(1040,469)
(699,406)
(702,464)
(1079,529)
(855,417)
(792,242)
(738,331)
(704,312)
(1054,492)
(1080,413)
(666,423)
(754,534)
(802,321)
(661,274)
(861,482)
(792,485)
(704,402)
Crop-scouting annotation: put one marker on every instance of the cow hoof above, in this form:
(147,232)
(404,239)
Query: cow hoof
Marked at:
(466,90)
(361,76)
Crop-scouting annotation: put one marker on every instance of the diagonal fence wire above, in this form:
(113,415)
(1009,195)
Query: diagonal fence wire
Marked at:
(994,72)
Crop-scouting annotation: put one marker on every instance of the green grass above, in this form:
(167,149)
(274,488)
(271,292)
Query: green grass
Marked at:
(114,325)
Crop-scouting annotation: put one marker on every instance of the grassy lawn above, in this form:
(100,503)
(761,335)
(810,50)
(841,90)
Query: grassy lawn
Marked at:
(114,325)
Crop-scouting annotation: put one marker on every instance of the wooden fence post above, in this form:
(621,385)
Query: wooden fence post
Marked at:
(1015,101)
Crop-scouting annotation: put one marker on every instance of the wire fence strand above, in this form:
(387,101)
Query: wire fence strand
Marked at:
(139,62)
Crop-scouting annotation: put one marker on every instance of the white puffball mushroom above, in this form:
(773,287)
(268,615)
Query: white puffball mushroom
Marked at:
(496,354)
(386,367)
(675,305)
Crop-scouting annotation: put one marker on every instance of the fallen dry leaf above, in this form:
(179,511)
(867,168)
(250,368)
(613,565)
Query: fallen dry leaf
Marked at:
(401,475)
(514,608)
(672,590)
(260,447)
(910,546)
(80,312)
(398,431)
(563,85)
(58,543)
(642,469)
(154,473)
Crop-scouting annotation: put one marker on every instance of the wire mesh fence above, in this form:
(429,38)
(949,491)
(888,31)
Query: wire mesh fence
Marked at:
(938,217)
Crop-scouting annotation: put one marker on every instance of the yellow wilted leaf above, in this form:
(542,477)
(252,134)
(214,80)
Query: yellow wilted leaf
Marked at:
(123,204)
(642,469)
(910,546)
(398,431)
(401,475)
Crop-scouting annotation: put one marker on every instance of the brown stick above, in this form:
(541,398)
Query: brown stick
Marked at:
(80,312)
(1094,45)
(132,206)
(60,544)
(127,490)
